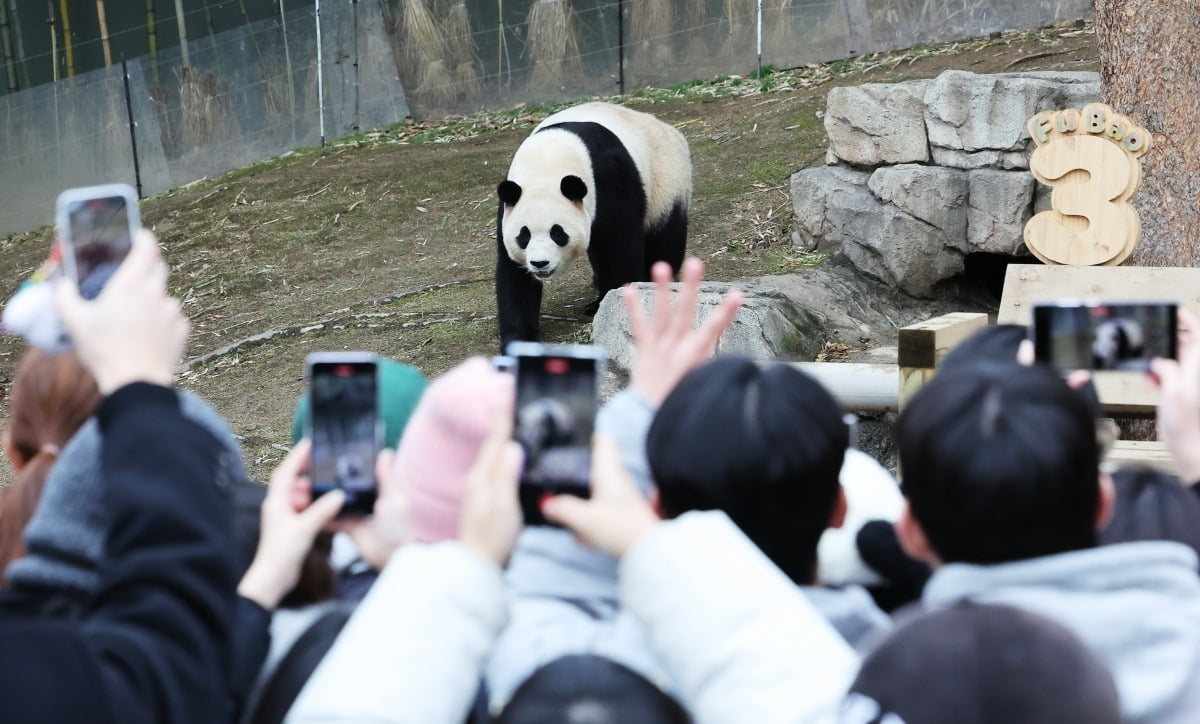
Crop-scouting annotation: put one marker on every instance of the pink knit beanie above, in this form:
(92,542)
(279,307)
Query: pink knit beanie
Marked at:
(441,442)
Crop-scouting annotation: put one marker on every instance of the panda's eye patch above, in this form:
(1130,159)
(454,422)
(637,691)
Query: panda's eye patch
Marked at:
(558,235)
(523,237)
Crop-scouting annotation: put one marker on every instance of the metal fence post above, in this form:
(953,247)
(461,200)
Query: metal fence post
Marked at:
(137,170)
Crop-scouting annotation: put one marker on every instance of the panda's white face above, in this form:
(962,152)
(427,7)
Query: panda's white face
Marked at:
(543,232)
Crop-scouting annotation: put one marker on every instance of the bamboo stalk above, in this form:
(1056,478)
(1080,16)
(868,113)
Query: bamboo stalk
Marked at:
(104,33)
(287,65)
(68,46)
(152,41)
(53,22)
(181,23)
(14,19)
(208,20)
(10,67)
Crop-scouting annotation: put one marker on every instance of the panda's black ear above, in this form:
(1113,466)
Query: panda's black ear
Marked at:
(573,188)
(509,192)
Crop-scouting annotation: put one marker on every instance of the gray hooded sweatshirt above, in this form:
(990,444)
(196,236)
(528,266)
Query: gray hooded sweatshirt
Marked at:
(1137,605)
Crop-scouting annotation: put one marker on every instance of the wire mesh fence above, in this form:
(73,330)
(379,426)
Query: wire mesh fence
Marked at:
(258,88)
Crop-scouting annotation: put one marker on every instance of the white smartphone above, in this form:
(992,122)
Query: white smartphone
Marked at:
(96,225)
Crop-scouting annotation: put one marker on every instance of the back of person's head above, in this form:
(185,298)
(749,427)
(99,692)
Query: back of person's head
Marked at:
(52,396)
(588,689)
(763,444)
(67,534)
(982,665)
(1152,505)
(993,343)
(400,387)
(999,462)
(441,442)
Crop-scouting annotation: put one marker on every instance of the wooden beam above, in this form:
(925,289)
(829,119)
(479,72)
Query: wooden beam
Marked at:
(1138,452)
(1025,284)
(922,346)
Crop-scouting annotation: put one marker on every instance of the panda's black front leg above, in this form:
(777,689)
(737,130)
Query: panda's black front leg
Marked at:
(615,263)
(518,301)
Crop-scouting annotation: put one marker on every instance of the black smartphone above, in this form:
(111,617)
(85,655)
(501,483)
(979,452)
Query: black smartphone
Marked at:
(1104,336)
(96,225)
(343,424)
(556,402)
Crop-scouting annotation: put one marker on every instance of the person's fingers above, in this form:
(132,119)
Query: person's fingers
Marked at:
(1187,321)
(140,263)
(68,302)
(1164,373)
(383,470)
(1026,355)
(661,274)
(684,312)
(719,320)
(508,471)
(322,512)
(637,317)
(292,465)
(1078,378)
(573,513)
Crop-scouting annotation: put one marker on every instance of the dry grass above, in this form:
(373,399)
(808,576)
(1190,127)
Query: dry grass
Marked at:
(205,108)
(437,89)
(422,41)
(460,42)
(466,80)
(741,16)
(782,34)
(553,45)
(651,23)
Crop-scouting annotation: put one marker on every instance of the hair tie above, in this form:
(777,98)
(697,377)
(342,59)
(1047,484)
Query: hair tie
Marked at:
(49,449)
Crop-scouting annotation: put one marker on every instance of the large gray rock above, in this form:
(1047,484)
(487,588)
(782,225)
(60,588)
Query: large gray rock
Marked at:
(767,326)
(829,203)
(1000,204)
(834,207)
(975,120)
(937,196)
(904,251)
(874,124)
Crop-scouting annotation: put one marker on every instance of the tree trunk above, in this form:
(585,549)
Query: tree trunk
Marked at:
(1150,71)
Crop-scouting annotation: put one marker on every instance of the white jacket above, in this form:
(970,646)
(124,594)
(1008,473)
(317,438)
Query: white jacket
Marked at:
(741,642)
(1136,605)
(414,648)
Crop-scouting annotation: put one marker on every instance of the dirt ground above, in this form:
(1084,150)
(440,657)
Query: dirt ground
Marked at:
(387,243)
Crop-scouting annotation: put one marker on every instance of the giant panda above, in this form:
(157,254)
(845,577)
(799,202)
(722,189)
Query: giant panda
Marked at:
(599,179)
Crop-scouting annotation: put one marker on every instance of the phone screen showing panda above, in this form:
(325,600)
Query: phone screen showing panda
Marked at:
(99,234)
(343,404)
(1104,337)
(555,415)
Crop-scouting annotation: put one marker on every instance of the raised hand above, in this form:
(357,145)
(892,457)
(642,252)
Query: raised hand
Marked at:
(668,346)
(491,514)
(291,521)
(616,516)
(133,331)
(1179,407)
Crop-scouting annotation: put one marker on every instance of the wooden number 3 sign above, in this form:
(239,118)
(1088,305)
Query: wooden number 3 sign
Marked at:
(1090,158)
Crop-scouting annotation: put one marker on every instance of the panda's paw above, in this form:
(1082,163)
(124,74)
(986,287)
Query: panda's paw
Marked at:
(591,309)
